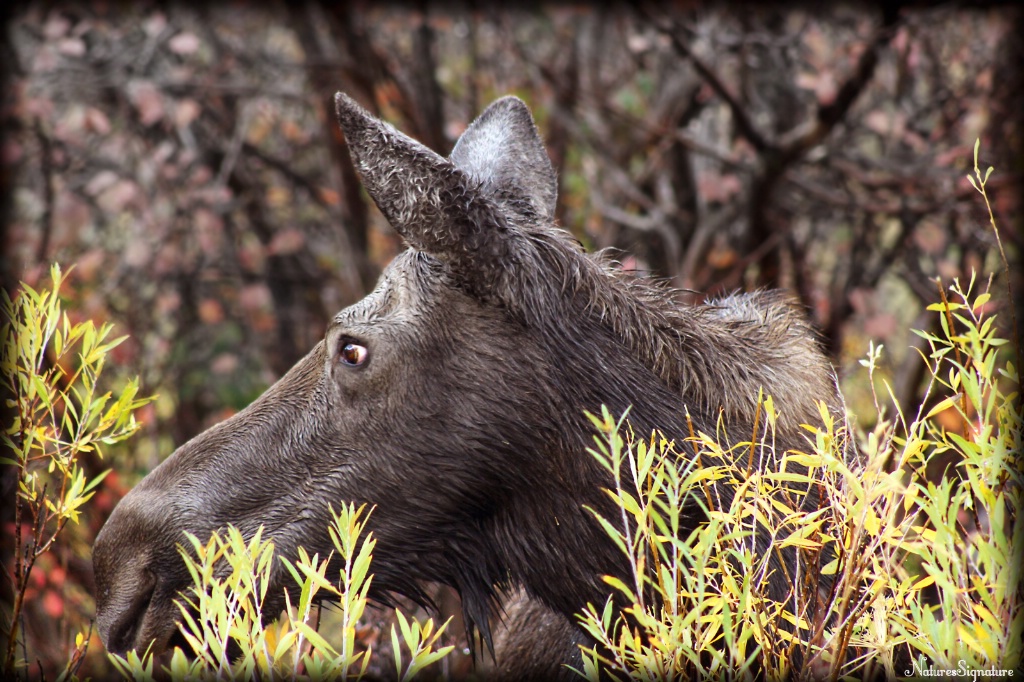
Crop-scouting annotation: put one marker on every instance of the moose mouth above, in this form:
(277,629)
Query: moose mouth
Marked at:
(151,622)
(124,632)
(142,626)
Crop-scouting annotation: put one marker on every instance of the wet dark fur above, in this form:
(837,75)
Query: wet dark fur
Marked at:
(487,340)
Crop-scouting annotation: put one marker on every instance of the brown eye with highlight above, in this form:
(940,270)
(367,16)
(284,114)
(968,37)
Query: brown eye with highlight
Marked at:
(354,355)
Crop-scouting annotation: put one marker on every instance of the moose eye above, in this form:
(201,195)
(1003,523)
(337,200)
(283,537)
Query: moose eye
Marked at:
(354,355)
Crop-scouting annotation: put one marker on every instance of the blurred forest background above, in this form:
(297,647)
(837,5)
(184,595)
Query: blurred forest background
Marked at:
(187,160)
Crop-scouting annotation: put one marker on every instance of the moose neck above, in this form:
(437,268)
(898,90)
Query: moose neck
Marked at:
(564,557)
(717,356)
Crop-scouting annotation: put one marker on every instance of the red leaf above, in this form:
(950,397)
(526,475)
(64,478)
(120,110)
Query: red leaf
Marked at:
(71,47)
(148,101)
(254,297)
(184,43)
(211,311)
(186,111)
(930,237)
(89,264)
(100,182)
(286,241)
(56,26)
(57,576)
(97,121)
(115,198)
(329,196)
(224,363)
(154,25)
(53,604)
(880,326)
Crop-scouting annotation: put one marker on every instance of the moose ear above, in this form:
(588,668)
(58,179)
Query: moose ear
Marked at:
(436,206)
(503,152)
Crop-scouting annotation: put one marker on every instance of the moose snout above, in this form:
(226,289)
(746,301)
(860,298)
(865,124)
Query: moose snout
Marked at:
(121,620)
(134,571)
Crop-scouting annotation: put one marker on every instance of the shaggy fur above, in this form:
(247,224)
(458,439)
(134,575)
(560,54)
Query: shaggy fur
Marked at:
(486,342)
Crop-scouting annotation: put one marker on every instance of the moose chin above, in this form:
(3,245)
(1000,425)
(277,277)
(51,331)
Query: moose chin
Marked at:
(452,400)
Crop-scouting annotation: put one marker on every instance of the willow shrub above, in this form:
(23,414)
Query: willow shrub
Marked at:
(922,571)
(52,371)
(231,637)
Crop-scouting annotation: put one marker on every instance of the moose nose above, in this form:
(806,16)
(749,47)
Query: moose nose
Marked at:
(131,562)
(121,621)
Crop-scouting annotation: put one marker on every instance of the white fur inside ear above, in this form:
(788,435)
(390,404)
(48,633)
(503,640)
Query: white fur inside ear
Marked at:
(502,151)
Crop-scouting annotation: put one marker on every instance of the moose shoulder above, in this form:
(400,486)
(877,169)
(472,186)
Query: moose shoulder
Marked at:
(452,399)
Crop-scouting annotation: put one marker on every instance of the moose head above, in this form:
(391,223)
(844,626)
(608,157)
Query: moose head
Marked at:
(452,398)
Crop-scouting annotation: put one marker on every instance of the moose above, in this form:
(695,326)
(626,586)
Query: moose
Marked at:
(453,400)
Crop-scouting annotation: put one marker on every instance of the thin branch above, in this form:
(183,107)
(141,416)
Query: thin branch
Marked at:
(744,124)
(288,171)
(828,115)
(780,158)
(234,148)
(46,170)
(680,136)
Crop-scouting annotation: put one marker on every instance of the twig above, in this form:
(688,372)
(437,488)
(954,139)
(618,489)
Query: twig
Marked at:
(956,351)
(46,169)
(980,186)
(227,165)
(744,124)
(828,115)
(287,170)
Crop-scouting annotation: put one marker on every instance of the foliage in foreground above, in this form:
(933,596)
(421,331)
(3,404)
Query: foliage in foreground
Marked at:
(223,619)
(921,563)
(51,371)
(924,566)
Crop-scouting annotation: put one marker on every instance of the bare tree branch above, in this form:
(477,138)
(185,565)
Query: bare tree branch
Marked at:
(672,29)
